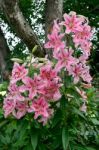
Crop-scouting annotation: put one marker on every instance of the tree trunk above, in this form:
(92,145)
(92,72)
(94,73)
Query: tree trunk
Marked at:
(4,51)
(53,10)
(19,24)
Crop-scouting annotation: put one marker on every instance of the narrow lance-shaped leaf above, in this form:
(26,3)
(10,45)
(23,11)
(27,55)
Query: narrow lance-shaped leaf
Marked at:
(65,138)
(34,140)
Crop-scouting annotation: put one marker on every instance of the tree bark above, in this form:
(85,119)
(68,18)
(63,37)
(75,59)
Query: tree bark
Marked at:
(4,51)
(53,10)
(19,24)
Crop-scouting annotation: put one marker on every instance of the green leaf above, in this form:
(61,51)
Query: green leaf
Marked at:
(3,86)
(42,147)
(80,148)
(3,139)
(78,112)
(57,118)
(17,60)
(95,121)
(28,147)
(65,138)
(21,133)
(63,103)
(11,127)
(89,148)
(3,123)
(34,139)
(34,49)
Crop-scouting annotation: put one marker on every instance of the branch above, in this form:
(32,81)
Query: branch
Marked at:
(22,28)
